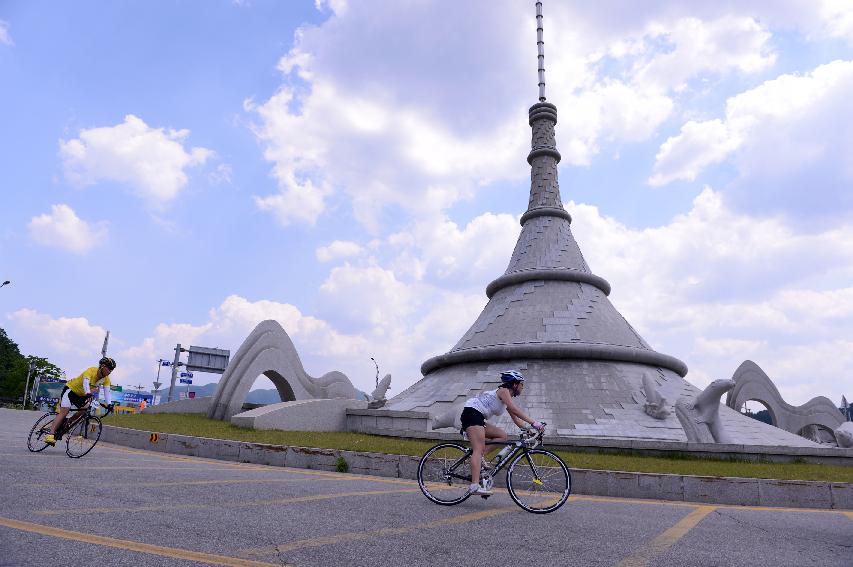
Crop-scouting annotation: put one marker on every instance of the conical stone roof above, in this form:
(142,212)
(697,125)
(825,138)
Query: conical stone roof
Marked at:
(548,315)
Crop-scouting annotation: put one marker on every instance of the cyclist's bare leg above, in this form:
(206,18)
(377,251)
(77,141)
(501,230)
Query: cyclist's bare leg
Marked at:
(58,419)
(494,433)
(477,438)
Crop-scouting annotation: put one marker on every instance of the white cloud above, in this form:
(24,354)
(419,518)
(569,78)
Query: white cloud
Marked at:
(63,229)
(72,343)
(728,43)
(151,160)
(715,287)
(5,38)
(438,249)
(784,134)
(339,249)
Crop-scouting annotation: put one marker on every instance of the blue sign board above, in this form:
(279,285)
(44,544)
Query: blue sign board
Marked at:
(186,381)
(186,374)
(136,397)
(165,363)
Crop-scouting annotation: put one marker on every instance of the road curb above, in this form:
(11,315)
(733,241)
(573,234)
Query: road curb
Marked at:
(674,487)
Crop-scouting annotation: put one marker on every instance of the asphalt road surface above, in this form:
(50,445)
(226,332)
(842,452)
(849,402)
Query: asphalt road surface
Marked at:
(126,506)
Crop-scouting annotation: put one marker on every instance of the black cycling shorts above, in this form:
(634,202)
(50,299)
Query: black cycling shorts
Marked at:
(76,399)
(470,417)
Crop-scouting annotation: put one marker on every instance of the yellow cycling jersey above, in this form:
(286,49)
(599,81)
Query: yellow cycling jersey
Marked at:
(76,384)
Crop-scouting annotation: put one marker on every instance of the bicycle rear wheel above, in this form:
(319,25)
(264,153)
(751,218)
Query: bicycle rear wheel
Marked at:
(35,442)
(444,474)
(83,436)
(539,481)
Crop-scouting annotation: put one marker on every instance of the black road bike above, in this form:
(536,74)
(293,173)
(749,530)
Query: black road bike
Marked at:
(81,431)
(537,480)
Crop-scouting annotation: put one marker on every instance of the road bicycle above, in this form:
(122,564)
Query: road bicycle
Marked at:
(81,431)
(537,480)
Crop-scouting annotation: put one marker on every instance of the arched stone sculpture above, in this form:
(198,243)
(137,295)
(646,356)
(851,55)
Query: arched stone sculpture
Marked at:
(844,435)
(656,405)
(268,350)
(752,383)
(700,417)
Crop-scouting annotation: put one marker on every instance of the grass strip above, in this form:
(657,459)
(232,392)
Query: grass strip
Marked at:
(200,426)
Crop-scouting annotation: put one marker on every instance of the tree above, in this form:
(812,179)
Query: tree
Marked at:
(14,368)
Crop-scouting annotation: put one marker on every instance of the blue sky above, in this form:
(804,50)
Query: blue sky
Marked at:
(180,171)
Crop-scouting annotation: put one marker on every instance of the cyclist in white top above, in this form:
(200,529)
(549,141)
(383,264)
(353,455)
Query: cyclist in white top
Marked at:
(485,405)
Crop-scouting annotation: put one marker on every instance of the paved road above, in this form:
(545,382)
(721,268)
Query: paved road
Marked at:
(126,506)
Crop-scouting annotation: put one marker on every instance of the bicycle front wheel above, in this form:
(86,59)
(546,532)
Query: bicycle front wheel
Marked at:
(539,481)
(35,442)
(444,474)
(83,437)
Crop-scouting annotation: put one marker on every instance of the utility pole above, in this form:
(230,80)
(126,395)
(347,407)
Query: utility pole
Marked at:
(177,362)
(27,385)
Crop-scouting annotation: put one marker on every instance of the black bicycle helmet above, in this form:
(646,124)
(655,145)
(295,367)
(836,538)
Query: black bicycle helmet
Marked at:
(108,362)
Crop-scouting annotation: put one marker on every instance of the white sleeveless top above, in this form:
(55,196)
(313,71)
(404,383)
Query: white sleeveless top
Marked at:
(487,403)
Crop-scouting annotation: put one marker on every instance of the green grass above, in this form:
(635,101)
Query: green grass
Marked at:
(199,426)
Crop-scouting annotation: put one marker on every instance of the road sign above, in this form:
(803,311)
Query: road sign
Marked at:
(186,381)
(157,385)
(186,374)
(204,359)
(165,363)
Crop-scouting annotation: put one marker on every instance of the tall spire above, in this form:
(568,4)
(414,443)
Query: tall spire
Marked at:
(540,44)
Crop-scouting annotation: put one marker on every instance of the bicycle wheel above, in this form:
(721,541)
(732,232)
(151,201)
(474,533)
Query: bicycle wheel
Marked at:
(444,474)
(539,481)
(35,442)
(83,436)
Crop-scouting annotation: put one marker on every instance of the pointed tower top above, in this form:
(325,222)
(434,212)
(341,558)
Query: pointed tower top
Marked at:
(541,45)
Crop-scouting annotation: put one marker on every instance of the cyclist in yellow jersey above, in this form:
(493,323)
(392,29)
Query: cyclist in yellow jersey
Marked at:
(80,390)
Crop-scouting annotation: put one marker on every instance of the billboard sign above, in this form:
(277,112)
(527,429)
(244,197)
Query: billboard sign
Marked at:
(204,359)
(136,397)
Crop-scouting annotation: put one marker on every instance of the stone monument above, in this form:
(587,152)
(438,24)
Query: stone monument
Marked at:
(589,372)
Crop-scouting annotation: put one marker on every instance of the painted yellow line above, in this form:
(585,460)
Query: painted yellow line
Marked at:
(849,515)
(664,541)
(125,468)
(241,504)
(192,482)
(677,503)
(172,552)
(356,536)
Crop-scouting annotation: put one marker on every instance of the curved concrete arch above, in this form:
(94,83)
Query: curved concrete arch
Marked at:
(752,383)
(268,350)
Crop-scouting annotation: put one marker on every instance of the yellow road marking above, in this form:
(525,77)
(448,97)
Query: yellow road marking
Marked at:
(356,536)
(117,467)
(849,515)
(124,544)
(242,504)
(664,541)
(694,504)
(191,482)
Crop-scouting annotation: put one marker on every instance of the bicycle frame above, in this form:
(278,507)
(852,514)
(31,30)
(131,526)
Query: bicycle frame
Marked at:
(522,445)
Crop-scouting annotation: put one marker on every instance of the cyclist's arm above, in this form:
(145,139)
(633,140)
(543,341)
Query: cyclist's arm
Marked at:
(106,395)
(514,411)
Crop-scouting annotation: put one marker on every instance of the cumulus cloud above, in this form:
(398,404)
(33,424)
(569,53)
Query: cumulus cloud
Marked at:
(359,122)
(782,136)
(153,161)
(339,249)
(63,229)
(5,38)
(72,343)
(715,287)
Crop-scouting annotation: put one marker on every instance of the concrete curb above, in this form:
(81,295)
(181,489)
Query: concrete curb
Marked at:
(682,488)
